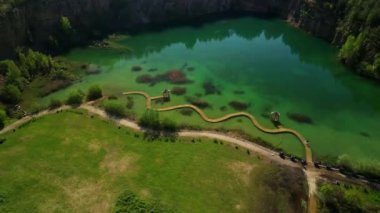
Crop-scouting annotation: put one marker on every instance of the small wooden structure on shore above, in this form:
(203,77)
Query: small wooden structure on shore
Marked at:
(275,117)
(166,95)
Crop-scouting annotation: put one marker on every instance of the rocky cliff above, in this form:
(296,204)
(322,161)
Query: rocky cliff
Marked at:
(36,23)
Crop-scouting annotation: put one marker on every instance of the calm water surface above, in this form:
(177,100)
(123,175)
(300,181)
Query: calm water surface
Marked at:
(277,66)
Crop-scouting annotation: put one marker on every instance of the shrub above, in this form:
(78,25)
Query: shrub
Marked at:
(129,202)
(94,93)
(33,63)
(62,75)
(55,103)
(3,116)
(13,75)
(114,108)
(11,94)
(150,119)
(75,98)
(66,25)
(169,125)
(36,108)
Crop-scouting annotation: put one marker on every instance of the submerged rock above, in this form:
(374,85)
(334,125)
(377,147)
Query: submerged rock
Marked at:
(300,118)
(198,102)
(223,108)
(239,92)
(178,91)
(93,69)
(84,66)
(210,88)
(266,111)
(176,77)
(130,102)
(136,68)
(186,112)
(364,134)
(172,76)
(143,79)
(237,105)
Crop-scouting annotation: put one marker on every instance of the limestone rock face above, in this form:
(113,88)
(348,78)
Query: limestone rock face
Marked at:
(36,22)
(314,18)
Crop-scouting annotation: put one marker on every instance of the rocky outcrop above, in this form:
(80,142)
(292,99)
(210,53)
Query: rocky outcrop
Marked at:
(318,19)
(36,23)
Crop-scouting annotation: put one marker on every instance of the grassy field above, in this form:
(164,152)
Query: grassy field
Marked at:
(70,162)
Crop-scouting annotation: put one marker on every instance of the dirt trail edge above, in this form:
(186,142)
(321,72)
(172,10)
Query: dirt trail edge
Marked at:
(310,174)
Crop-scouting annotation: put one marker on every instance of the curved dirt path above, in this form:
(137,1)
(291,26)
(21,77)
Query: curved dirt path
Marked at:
(26,119)
(311,174)
(281,130)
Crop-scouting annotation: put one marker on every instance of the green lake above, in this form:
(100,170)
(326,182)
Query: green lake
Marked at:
(266,63)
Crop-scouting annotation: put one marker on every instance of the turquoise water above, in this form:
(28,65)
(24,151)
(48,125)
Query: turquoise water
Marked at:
(277,66)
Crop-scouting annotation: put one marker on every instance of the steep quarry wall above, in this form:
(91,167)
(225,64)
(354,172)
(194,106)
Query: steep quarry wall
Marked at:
(36,22)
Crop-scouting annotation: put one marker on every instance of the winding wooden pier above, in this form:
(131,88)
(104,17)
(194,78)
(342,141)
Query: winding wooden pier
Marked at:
(280,130)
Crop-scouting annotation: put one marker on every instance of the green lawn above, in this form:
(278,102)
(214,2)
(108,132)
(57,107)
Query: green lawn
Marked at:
(68,162)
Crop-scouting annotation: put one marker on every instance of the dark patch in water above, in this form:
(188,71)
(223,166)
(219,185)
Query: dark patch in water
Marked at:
(184,66)
(112,97)
(172,76)
(300,118)
(198,94)
(198,102)
(364,134)
(186,112)
(136,68)
(210,88)
(237,105)
(190,69)
(178,91)
(223,108)
(144,79)
(130,102)
(152,70)
(265,115)
(266,111)
(239,92)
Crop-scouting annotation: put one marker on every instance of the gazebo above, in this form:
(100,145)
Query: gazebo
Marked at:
(275,116)
(166,95)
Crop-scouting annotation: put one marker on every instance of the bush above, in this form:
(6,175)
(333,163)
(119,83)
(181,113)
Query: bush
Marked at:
(114,108)
(347,198)
(13,75)
(66,25)
(150,119)
(11,94)
(75,98)
(169,125)
(33,63)
(94,93)
(36,108)
(3,116)
(55,103)
(129,202)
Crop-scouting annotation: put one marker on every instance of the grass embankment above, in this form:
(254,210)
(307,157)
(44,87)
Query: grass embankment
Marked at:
(70,162)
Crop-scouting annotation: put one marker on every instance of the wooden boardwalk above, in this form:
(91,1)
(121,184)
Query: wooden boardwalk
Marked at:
(280,130)
(312,204)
